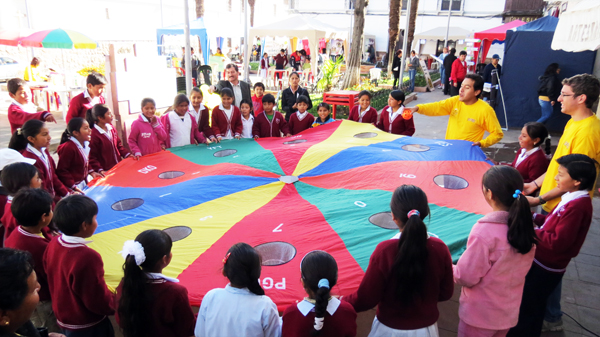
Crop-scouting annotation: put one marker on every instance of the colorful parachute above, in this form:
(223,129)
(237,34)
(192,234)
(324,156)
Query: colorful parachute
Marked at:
(328,188)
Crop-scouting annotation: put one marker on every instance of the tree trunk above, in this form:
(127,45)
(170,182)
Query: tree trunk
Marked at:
(251,3)
(353,65)
(393,30)
(199,8)
(414,5)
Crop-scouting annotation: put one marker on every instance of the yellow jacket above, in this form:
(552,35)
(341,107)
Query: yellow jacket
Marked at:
(35,75)
(467,122)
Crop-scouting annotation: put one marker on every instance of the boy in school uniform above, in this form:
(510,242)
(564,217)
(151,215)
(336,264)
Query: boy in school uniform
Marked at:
(81,103)
(81,298)
(32,208)
(301,119)
(21,109)
(269,123)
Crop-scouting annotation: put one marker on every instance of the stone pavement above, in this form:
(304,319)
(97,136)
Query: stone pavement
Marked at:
(581,285)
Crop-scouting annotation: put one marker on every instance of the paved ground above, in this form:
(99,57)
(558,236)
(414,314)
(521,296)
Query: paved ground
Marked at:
(581,285)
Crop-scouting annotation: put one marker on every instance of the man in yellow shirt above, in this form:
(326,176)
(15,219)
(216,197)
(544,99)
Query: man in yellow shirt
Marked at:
(470,117)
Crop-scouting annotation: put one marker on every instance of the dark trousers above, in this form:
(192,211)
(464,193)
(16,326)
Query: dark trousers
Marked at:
(102,329)
(454,90)
(446,83)
(396,76)
(539,284)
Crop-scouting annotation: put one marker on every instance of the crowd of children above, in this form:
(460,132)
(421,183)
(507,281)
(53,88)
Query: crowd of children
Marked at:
(51,279)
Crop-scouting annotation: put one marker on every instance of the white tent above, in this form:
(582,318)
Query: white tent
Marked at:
(300,26)
(578,28)
(439,33)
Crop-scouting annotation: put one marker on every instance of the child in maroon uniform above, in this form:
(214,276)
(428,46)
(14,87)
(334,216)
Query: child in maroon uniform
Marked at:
(259,90)
(33,141)
(32,208)
(560,237)
(363,112)
(21,110)
(392,119)
(302,119)
(269,123)
(81,299)
(406,277)
(148,302)
(15,177)
(227,118)
(106,149)
(81,103)
(200,112)
(74,155)
(320,313)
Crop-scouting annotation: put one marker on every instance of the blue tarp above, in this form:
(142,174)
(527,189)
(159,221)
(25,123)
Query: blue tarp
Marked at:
(527,53)
(196,28)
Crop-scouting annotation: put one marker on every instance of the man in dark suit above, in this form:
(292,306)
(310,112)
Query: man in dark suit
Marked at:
(448,60)
(241,89)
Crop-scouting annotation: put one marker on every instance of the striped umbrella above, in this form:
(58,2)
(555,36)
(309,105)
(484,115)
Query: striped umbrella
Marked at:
(58,38)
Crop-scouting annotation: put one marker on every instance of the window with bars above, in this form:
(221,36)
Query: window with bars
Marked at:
(456,5)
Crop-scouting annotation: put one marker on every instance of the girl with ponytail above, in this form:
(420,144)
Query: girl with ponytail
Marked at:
(407,276)
(241,308)
(500,251)
(148,302)
(320,314)
(106,149)
(393,119)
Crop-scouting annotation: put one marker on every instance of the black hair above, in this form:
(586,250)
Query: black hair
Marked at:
(453,51)
(74,124)
(149,100)
(315,266)
(196,90)
(584,84)
(260,85)
(398,95)
(365,92)
(97,111)
(302,99)
(413,52)
(226,92)
(95,78)
(72,211)
(462,52)
(14,84)
(16,176)
(324,105)
(551,69)
(19,139)
(242,267)
(477,82)
(399,51)
(268,98)
(294,73)
(180,98)
(232,65)
(410,263)
(249,102)
(504,181)
(29,205)
(538,130)
(136,298)
(581,168)
(15,268)
(282,51)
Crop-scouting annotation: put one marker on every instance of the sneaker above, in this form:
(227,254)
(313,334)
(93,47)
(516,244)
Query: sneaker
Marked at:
(552,326)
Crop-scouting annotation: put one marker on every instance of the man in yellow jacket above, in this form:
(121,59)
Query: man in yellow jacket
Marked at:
(470,117)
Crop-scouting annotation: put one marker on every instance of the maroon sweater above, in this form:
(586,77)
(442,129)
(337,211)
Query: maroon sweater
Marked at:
(79,105)
(36,245)
(203,123)
(170,312)
(50,181)
(562,234)
(533,166)
(341,324)
(221,124)
(263,128)
(80,297)
(73,165)
(378,287)
(17,117)
(369,117)
(296,125)
(400,126)
(105,154)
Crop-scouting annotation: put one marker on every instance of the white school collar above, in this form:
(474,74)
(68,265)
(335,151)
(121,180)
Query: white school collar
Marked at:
(29,107)
(84,146)
(74,239)
(305,306)
(394,115)
(300,115)
(35,151)
(226,110)
(524,154)
(158,276)
(101,130)
(568,197)
(94,101)
(362,113)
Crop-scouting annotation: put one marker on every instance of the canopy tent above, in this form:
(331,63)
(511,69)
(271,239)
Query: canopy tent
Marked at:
(527,53)
(299,26)
(487,37)
(197,27)
(579,27)
(439,33)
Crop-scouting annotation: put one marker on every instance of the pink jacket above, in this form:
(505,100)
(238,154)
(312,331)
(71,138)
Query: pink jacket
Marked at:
(195,134)
(492,274)
(146,138)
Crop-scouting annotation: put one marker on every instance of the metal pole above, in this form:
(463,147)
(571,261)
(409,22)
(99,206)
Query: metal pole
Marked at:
(405,51)
(448,25)
(29,26)
(188,56)
(246,45)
